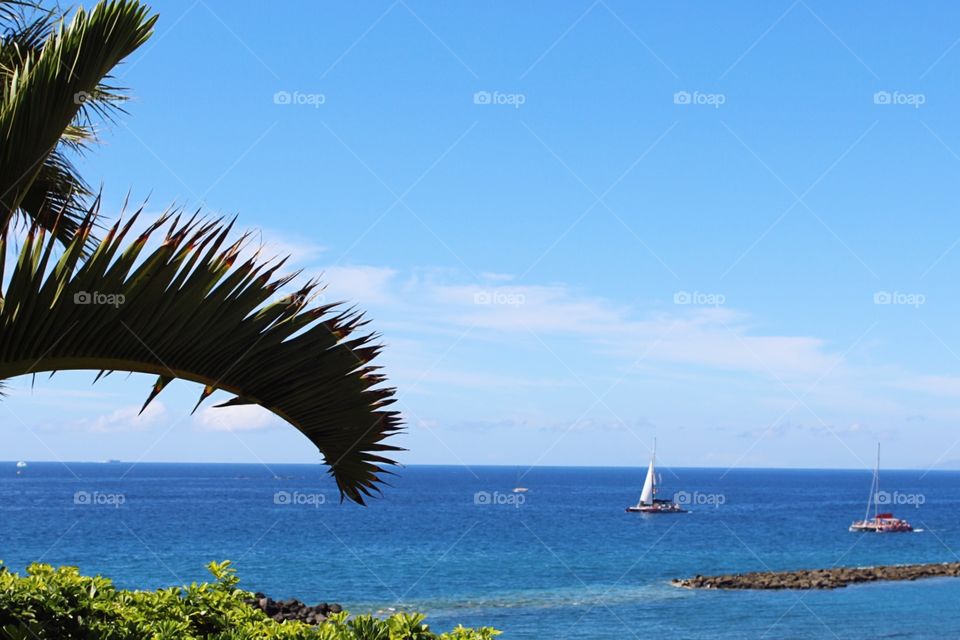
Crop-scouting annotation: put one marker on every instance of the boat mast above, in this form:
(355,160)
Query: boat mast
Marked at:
(876,480)
(874,488)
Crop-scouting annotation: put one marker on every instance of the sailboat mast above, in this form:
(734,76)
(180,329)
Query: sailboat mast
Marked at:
(874,489)
(876,480)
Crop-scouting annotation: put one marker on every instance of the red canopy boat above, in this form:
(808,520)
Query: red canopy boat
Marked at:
(880,522)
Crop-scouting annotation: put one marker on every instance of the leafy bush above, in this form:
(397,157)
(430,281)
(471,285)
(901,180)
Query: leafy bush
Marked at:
(60,604)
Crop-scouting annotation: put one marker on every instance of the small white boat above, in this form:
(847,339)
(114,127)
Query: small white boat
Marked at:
(519,488)
(21,465)
(649,503)
(880,522)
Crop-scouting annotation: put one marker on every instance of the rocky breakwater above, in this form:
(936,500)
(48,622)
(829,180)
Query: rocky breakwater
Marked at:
(833,578)
(293,609)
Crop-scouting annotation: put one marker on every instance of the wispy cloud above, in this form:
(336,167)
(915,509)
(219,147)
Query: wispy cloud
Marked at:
(240,418)
(301,252)
(367,285)
(451,335)
(713,337)
(932,384)
(127,418)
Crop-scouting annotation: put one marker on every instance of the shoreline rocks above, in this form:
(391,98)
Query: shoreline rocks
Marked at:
(833,578)
(293,609)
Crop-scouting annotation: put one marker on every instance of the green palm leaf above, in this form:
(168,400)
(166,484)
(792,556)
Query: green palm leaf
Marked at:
(52,87)
(191,309)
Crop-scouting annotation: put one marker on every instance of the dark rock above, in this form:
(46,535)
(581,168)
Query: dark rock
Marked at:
(293,609)
(833,578)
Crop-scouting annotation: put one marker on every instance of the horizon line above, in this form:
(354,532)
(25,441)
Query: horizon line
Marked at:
(486,465)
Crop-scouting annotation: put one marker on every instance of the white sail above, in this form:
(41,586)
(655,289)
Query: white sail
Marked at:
(646,496)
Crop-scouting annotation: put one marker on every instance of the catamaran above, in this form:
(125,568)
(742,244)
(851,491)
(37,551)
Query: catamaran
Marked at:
(880,522)
(649,503)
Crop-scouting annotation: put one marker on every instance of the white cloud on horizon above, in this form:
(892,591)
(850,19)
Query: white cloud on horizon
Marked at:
(127,418)
(713,337)
(426,311)
(240,418)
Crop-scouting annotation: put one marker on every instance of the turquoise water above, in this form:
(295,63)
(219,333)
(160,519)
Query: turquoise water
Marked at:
(562,561)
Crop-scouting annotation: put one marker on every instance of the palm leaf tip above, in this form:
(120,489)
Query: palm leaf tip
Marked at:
(180,311)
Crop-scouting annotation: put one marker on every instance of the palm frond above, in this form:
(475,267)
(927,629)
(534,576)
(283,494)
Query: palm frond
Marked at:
(11,11)
(56,198)
(191,309)
(25,28)
(58,88)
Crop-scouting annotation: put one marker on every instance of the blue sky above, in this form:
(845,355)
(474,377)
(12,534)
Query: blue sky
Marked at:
(576,225)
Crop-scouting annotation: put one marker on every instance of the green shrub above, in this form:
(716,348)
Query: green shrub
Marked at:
(60,604)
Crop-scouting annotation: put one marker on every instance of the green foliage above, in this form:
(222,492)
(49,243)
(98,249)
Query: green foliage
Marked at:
(60,604)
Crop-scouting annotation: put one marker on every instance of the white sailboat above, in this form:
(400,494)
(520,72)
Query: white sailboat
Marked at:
(880,522)
(649,503)
(520,488)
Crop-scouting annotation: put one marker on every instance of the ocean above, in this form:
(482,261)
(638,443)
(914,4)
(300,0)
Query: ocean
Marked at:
(562,560)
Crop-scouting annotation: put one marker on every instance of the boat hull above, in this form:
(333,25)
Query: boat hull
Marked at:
(881,526)
(656,509)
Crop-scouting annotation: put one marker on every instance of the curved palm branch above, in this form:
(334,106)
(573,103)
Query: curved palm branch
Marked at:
(186,310)
(52,88)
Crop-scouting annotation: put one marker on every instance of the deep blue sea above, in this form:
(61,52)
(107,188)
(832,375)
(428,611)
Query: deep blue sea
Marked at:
(562,561)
